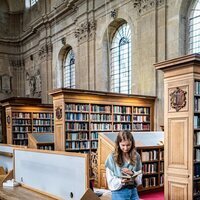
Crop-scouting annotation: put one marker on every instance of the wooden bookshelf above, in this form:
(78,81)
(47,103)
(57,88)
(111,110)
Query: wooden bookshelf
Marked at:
(41,141)
(182,126)
(13,101)
(24,119)
(149,146)
(82,114)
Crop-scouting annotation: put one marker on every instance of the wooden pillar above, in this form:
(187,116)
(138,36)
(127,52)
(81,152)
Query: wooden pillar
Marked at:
(180,81)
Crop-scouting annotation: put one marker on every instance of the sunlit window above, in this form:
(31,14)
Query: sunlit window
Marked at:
(69,70)
(120,69)
(194,29)
(33,2)
(30,3)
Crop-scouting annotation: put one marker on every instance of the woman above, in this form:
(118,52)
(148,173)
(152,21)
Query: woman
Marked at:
(124,161)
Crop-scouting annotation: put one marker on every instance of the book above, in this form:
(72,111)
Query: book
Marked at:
(128,176)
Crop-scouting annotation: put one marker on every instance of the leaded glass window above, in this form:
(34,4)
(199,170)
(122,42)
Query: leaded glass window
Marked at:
(120,68)
(69,70)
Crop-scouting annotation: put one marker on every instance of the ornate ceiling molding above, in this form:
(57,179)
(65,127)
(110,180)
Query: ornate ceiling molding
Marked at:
(85,31)
(145,5)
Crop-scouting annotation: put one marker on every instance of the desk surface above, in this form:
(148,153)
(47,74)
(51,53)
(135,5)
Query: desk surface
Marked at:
(21,193)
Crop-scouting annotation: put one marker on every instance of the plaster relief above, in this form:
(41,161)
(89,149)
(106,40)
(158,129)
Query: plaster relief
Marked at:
(145,5)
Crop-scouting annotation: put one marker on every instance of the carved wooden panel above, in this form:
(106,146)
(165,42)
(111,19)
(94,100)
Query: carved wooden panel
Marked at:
(178,99)
(177,142)
(178,191)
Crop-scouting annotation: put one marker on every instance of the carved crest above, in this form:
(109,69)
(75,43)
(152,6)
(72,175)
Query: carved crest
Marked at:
(59,113)
(178,99)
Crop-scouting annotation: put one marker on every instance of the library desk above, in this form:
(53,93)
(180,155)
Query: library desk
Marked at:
(21,193)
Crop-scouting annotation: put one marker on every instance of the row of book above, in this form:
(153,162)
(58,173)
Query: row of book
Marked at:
(122,127)
(46,147)
(79,145)
(43,115)
(141,110)
(20,136)
(42,129)
(141,126)
(141,118)
(122,109)
(21,122)
(77,126)
(21,128)
(42,122)
(21,142)
(101,117)
(149,182)
(101,126)
(149,155)
(150,168)
(122,118)
(77,107)
(101,108)
(77,136)
(77,116)
(21,115)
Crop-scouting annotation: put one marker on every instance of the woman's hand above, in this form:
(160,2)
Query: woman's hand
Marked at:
(127,171)
(124,180)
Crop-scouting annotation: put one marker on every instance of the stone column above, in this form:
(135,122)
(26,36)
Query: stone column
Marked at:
(45,56)
(86,54)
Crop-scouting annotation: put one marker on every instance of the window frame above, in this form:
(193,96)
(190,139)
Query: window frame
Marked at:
(68,70)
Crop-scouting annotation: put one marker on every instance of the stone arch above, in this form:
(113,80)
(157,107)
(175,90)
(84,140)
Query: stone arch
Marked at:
(106,42)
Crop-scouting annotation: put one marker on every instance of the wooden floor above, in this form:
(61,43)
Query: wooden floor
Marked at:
(20,193)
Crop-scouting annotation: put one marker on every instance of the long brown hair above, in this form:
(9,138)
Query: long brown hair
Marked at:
(124,135)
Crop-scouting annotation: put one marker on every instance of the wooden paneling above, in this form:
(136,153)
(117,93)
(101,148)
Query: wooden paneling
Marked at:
(178,191)
(59,138)
(177,142)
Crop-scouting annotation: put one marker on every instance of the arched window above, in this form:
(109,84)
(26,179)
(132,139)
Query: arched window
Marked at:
(194,29)
(69,70)
(120,67)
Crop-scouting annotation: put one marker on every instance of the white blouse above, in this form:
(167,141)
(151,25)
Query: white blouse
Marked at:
(115,183)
